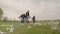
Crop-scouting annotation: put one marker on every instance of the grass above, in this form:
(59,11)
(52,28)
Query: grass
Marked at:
(31,28)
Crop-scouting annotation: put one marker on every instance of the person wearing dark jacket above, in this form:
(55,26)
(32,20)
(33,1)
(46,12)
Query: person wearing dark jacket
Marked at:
(22,18)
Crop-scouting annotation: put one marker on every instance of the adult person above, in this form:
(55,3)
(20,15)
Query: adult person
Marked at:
(22,17)
(27,17)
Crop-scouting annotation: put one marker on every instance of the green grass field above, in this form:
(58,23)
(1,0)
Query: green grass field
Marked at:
(43,27)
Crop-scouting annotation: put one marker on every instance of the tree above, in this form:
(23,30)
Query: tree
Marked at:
(1,13)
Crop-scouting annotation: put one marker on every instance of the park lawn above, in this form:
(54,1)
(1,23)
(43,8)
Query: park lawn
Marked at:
(30,28)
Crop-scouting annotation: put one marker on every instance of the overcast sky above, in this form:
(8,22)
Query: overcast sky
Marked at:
(42,9)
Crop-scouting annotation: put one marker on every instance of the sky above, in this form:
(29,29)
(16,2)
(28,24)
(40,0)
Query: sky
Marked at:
(42,9)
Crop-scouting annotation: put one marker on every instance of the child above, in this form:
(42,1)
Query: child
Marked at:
(33,19)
